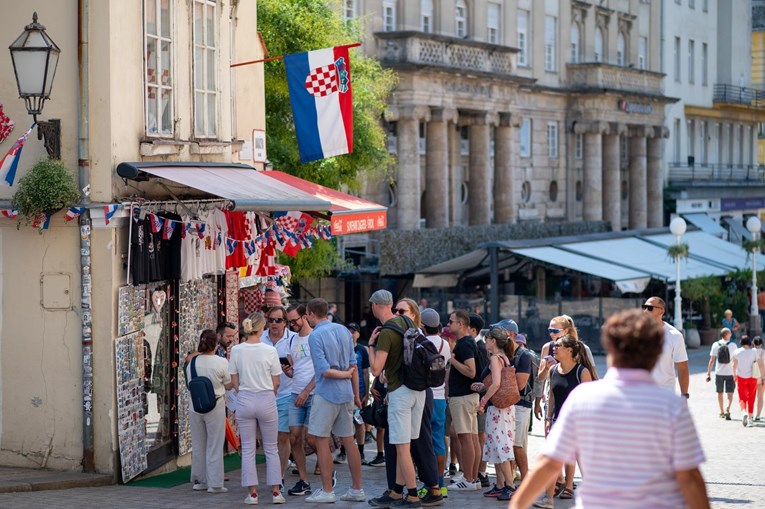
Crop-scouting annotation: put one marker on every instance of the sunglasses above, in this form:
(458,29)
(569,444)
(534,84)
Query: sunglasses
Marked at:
(553,331)
(292,322)
(649,307)
(275,320)
(400,311)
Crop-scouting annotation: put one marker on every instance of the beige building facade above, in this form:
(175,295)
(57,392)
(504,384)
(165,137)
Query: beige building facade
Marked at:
(516,110)
(138,81)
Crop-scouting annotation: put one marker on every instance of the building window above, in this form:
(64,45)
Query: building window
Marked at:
(426,16)
(642,53)
(578,146)
(677,59)
(691,58)
(553,191)
(389,15)
(691,141)
(392,137)
(575,43)
(526,191)
(624,149)
(578,190)
(464,140)
(704,155)
(620,49)
(676,135)
(525,138)
(704,64)
(552,140)
(422,142)
(550,44)
(523,38)
(158,33)
(205,69)
(492,23)
(598,45)
(460,17)
(350,9)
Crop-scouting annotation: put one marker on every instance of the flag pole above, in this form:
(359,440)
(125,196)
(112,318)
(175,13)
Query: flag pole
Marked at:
(280,57)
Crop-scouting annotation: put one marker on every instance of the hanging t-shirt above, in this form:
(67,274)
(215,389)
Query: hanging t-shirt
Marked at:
(139,254)
(237,230)
(171,248)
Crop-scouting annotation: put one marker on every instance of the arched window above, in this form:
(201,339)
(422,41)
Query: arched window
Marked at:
(598,45)
(620,49)
(460,17)
(575,43)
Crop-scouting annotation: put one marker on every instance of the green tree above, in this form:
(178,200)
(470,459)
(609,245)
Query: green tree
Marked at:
(294,26)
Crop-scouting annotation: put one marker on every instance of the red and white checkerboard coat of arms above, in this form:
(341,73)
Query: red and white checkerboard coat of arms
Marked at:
(322,81)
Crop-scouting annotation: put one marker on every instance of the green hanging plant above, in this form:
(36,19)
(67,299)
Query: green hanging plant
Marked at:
(676,251)
(753,245)
(45,189)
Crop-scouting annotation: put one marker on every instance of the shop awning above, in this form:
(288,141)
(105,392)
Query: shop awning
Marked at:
(737,229)
(246,187)
(706,224)
(349,214)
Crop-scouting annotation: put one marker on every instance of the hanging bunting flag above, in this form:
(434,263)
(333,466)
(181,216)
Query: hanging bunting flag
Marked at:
(322,105)
(231,245)
(73,213)
(41,221)
(10,162)
(168,229)
(249,248)
(156,222)
(294,221)
(109,211)
(10,213)
(6,125)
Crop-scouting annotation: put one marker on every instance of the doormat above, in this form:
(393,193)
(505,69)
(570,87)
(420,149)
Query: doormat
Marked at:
(183,475)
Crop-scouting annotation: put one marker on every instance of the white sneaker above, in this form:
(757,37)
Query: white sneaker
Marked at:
(353,495)
(321,497)
(198,486)
(278,498)
(545,503)
(465,486)
(251,500)
(477,485)
(458,478)
(219,489)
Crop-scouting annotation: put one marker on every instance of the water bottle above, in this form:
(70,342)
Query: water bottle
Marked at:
(357,416)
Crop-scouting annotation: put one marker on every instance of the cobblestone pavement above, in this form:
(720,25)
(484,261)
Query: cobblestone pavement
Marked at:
(735,457)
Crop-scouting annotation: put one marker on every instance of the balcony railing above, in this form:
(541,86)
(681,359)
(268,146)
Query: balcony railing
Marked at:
(419,48)
(728,174)
(732,94)
(599,75)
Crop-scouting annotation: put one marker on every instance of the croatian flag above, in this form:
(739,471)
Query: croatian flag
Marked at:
(320,92)
(10,162)
(109,211)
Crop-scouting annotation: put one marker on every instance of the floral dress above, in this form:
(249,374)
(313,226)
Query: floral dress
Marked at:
(500,430)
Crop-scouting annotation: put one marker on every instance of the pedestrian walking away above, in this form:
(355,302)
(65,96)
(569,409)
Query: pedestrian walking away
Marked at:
(744,359)
(720,358)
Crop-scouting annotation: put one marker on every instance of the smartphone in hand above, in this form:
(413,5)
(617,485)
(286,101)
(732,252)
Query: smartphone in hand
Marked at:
(285,361)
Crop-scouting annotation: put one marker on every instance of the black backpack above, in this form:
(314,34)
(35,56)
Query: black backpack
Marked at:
(723,354)
(481,359)
(423,366)
(203,397)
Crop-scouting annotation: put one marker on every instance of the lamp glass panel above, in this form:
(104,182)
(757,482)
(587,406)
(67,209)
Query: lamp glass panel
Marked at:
(30,71)
(52,64)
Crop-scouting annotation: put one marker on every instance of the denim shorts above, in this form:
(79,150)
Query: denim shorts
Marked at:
(300,415)
(283,405)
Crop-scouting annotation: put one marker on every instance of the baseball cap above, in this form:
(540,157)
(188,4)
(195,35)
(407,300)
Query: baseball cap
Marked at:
(520,338)
(430,317)
(382,297)
(476,322)
(497,332)
(353,326)
(508,324)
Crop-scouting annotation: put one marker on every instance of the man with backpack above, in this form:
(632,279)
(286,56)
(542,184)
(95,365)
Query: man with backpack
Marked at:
(481,361)
(720,356)
(405,406)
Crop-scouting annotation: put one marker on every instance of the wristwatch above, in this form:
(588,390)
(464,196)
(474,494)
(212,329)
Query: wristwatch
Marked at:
(686,395)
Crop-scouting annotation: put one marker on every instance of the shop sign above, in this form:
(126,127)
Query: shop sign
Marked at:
(727,204)
(628,107)
(343,224)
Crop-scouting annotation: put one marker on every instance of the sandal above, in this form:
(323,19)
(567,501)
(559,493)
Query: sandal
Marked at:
(566,494)
(559,488)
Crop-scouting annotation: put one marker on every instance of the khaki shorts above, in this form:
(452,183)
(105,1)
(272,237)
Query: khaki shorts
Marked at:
(522,419)
(464,412)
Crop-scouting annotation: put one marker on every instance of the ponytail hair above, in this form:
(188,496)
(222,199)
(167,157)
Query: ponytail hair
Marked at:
(208,341)
(579,352)
(254,323)
(567,324)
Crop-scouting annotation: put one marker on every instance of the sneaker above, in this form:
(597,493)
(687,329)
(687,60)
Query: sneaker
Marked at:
(466,485)
(301,488)
(278,498)
(745,420)
(506,494)
(369,438)
(322,497)
(493,492)
(727,416)
(452,470)
(423,491)
(458,478)
(430,500)
(722,415)
(750,424)
(384,500)
(340,459)
(757,419)
(218,489)
(484,480)
(444,492)
(405,503)
(334,478)
(252,499)
(198,486)
(295,471)
(353,495)
(545,503)
(379,461)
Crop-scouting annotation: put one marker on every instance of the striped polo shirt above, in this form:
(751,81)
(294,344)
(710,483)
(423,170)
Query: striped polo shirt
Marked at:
(629,436)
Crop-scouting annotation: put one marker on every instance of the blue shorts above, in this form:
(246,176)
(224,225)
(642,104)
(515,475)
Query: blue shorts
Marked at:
(437,425)
(283,405)
(299,416)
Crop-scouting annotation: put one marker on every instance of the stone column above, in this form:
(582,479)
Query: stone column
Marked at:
(638,211)
(408,187)
(656,177)
(437,169)
(503,172)
(612,200)
(456,175)
(593,170)
(479,173)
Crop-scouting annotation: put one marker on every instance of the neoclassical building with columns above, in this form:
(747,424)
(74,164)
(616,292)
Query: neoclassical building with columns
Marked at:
(515,110)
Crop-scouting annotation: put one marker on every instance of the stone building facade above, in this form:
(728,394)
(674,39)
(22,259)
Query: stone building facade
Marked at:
(516,110)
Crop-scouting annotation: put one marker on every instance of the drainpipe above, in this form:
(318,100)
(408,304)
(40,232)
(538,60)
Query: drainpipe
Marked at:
(83,157)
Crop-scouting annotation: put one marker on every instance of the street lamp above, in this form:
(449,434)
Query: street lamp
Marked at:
(677,226)
(753,225)
(35,57)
